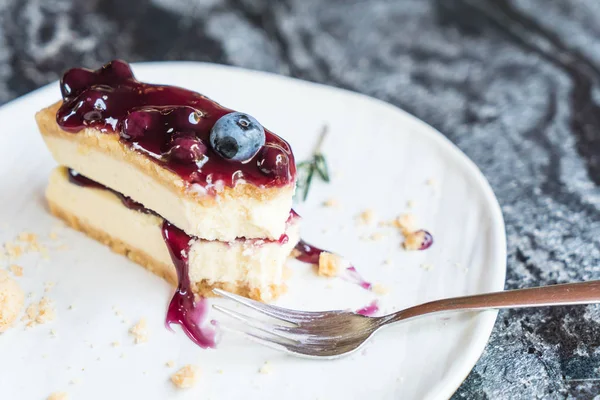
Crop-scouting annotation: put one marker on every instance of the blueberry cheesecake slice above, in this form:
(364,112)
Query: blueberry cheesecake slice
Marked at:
(214,173)
(195,192)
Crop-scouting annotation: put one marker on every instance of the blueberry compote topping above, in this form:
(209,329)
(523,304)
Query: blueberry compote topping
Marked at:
(185,132)
(184,309)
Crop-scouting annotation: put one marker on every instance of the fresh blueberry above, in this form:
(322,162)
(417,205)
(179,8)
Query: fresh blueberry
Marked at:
(186,148)
(137,123)
(273,162)
(237,136)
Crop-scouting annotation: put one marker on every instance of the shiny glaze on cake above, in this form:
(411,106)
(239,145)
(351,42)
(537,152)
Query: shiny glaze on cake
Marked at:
(160,121)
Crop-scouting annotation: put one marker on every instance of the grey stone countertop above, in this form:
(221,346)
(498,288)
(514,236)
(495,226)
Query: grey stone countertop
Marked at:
(515,84)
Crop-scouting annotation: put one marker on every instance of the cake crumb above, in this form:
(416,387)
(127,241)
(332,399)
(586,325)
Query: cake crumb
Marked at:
(366,217)
(33,245)
(13,250)
(74,381)
(266,368)
(410,204)
(27,237)
(11,300)
(170,363)
(186,377)
(53,333)
(48,286)
(377,236)
(426,267)
(333,203)
(380,289)
(17,270)
(58,396)
(116,343)
(140,331)
(431,182)
(329,264)
(387,261)
(406,223)
(295,253)
(53,236)
(40,313)
(220,371)
(414,240)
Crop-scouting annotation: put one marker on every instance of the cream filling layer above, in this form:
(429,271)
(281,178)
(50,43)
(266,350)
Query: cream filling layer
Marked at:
(256,263)
(223,219)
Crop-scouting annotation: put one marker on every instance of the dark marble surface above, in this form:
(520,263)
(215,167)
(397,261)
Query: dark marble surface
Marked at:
(515,84)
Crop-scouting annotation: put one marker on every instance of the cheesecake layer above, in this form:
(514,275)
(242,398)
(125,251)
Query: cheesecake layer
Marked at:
(252,267)
(213,212)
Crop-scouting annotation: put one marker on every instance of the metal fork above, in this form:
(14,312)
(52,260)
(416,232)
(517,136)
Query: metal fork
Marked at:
(332,334)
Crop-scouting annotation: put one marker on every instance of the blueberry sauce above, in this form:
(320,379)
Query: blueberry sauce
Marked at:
(427,240)
(170,125)
(370,310)
(310,254)
(184,309)
(353,276)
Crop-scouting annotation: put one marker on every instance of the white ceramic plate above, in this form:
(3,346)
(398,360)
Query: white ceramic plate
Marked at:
(381,159)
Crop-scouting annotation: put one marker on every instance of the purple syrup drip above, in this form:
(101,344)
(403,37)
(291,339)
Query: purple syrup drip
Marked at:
(310,254)
(353,276)
(427,240)
(161,121)
(370,310)
(183,309)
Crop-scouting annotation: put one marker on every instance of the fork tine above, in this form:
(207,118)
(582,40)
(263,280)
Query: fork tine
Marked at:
(295,348)
(288,346)
(273,311)
(263,339)
(255,323)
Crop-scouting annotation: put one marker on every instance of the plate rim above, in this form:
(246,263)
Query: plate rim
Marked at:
(485,321)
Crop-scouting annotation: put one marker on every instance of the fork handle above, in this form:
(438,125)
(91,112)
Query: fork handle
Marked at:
(554,295)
